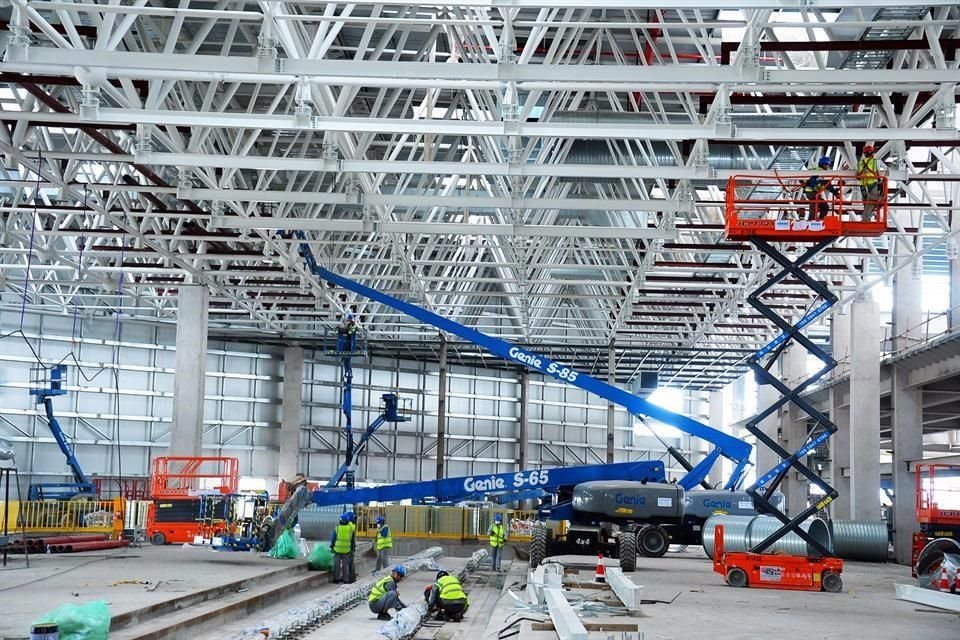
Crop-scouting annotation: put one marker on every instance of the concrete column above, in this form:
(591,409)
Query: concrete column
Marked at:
(840,452)
(611,412)
(907,307)
(840,339)
(865,410)
(291,414)
(190,367)
(717,421)
(766,458)
(953,250)
(793,368)
(442,410)
(907,447)
(524,445)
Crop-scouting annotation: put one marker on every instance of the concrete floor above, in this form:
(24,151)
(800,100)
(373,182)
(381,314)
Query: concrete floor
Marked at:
(52,580)
(704,607)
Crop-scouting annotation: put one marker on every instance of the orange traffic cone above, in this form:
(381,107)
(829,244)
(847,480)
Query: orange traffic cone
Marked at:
(944,581)
(601,571)
(956,583)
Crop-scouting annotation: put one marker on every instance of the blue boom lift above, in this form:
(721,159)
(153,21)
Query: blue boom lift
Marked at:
(44,390)
(615,508)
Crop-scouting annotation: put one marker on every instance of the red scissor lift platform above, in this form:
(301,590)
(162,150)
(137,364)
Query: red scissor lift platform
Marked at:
(938,505)
(777,209)
(771,209)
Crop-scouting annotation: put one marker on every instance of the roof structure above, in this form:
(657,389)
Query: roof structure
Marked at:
(551,173)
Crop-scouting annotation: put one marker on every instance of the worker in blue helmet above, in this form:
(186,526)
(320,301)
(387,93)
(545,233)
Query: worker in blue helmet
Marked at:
(385,594)
(815,188)
(343,543)
(382,544)
(498,537)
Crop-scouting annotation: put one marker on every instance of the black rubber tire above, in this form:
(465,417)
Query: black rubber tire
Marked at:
(628,550)
(538,545)
(832,583)
(158,539)
(737,577)
(653,541)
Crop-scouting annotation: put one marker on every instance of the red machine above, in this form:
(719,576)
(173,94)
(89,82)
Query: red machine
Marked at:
(187,494)
(938,504)
(777,209)
(771,571)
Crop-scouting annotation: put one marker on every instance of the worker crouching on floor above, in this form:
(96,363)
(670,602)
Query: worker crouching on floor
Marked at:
(383,544)
(343,543)
(385,594)
(446,597)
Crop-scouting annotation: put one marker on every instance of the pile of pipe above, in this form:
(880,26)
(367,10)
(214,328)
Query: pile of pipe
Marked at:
(408,620)
(66,544)
(942,553)
(320,610)
(848,539)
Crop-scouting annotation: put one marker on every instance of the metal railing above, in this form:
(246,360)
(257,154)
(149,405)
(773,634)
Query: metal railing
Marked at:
(460,523)
(73,516)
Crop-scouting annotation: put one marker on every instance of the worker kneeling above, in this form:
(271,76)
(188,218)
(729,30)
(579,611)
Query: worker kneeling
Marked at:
(446,597)
(385,595)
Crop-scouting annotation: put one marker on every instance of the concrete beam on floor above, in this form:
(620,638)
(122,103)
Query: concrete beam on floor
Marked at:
(564,618)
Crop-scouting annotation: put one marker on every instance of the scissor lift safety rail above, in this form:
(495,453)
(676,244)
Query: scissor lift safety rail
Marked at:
(783,218)
(783,213)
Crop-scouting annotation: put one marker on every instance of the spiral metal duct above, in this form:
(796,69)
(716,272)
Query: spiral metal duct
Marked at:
(859,540)
(742,533)
(317,523)
(734,532)
(932,557)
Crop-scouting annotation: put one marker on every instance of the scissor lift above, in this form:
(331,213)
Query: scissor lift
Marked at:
(764,211)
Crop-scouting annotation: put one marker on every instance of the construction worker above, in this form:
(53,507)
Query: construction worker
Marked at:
(814,189)
(352,519)
(385,594)
(498,536)
(868,173)
(343,543)
(383,544)
(446,597)
(347,334)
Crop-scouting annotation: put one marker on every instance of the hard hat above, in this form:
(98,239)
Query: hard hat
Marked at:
(380,520)
(351,516)
(869,149)
(349,316)
(344,518)
(498,518)
(441,574)
(825,161)
(400,570)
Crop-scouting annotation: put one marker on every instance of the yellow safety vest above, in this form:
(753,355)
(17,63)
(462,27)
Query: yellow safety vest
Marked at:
(450,589)
(379,589)
(344,538)
(497,535)
(384,541)
(867,171)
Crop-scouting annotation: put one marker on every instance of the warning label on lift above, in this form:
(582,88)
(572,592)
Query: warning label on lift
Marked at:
(771,574)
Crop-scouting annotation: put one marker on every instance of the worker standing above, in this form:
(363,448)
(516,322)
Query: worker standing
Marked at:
(814,189)
(352,519)
(342,544)
(868,173)
(385,595)
(383,544)
(498,536)
(447,597)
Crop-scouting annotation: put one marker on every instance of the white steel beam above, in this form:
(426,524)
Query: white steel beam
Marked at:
(629,593)
(444,228)
(565,620)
